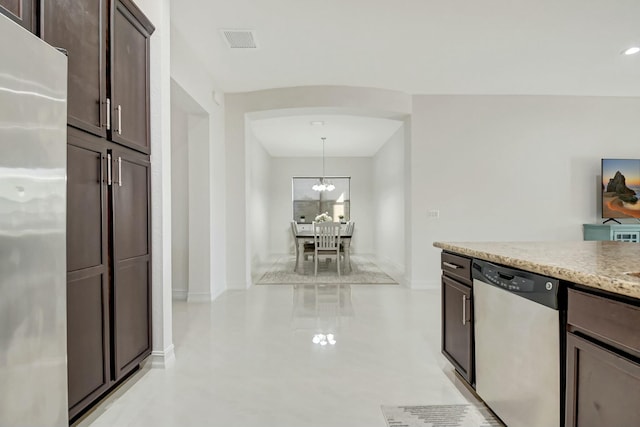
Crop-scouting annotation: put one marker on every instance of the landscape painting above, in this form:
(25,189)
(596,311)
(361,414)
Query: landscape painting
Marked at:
(620,188)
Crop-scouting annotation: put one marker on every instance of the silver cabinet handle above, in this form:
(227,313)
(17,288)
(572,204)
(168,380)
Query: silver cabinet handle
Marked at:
(448,264)
(119,171)
(464,310)
(109,181)
(108,114)
(119,119)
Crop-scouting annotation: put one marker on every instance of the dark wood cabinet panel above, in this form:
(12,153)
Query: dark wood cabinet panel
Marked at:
(131,314)
(80,27)
(603,387)
(457,267)
(131,208)
(612,322)
(88,271)
(86,246)
(21,11)
(87,339)
(130,32)
(457,329)
(131,258)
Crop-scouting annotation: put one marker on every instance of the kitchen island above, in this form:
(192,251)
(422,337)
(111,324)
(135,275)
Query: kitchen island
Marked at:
(599,290)
(602,265)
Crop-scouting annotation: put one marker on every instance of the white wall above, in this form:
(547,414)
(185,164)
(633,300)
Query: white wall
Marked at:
(259,211)
(388,179)
(284,168)
(179,203)
(200,220)
(160,105)
(510,168)
(191,75)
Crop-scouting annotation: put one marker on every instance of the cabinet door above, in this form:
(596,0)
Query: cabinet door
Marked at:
(87,267)
(603,387)
(80,27)
(21,11)
(132,260)
(130,32)
(457,330)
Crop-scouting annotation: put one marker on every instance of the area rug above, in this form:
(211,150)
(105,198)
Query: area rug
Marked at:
(464,415)
(363,272)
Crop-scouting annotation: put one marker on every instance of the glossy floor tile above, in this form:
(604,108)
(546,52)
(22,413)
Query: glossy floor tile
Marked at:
(249,359)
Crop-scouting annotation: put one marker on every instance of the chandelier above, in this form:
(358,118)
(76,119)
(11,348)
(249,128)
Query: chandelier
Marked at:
(323,184)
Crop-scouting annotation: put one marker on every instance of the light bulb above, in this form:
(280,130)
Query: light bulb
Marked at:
(632,50)
(316,339)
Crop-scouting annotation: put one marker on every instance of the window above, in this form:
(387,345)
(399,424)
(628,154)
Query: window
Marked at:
(307,203)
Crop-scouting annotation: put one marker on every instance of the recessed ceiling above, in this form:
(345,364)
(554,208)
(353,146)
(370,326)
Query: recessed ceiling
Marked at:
(568,47)
(347,136)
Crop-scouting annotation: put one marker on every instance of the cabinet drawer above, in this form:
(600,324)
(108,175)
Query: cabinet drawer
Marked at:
(612,322)
(456,266)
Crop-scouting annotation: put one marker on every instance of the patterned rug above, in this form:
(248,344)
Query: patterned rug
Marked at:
(464,415)
(364,272)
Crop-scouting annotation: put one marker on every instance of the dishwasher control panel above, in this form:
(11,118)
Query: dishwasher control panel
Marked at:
(532,286)
(508,281)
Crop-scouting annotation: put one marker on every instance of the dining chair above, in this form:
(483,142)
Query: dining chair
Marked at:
(309,248)
(348,232)
(326,237)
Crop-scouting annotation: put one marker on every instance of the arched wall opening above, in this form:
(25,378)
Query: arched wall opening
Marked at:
(258,210)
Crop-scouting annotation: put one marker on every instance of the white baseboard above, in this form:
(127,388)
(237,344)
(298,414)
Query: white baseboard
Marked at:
(163,359)
(179,294)
(199,297)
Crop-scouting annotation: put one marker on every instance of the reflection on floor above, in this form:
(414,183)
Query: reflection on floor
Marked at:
(254,358)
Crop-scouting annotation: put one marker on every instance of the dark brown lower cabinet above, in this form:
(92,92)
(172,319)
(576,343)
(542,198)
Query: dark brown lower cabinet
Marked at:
(603,361)
(21,11)
(457,328)
(108,264)
(88,317)
(603,387)
(131,258)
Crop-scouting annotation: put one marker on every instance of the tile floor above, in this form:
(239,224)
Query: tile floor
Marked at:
(248,359)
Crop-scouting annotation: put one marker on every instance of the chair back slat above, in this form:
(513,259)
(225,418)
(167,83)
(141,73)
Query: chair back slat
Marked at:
(327,235)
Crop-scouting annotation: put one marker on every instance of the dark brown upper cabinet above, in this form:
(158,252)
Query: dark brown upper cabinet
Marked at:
(80,27)
(108,47)
(130,32)
(21,11)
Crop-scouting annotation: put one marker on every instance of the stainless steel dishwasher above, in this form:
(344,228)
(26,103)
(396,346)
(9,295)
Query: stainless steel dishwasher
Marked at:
(518,345)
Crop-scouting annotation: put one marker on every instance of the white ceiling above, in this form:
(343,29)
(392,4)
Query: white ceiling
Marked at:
(535,47)
(569,47)
(347,136)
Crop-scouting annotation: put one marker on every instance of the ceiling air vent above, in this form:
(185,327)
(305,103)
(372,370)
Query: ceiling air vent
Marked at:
(240,39)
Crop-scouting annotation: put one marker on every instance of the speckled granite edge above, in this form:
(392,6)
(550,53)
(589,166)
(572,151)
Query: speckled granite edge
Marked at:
(599,265)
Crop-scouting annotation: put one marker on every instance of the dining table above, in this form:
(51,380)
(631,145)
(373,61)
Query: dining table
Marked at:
(307,236)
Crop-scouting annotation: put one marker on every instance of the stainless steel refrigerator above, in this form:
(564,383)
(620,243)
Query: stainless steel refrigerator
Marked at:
(33,341)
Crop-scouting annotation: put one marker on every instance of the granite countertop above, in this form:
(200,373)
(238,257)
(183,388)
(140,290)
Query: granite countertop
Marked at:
(597,264)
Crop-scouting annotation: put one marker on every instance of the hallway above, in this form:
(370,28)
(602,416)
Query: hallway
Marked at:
(247,359)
